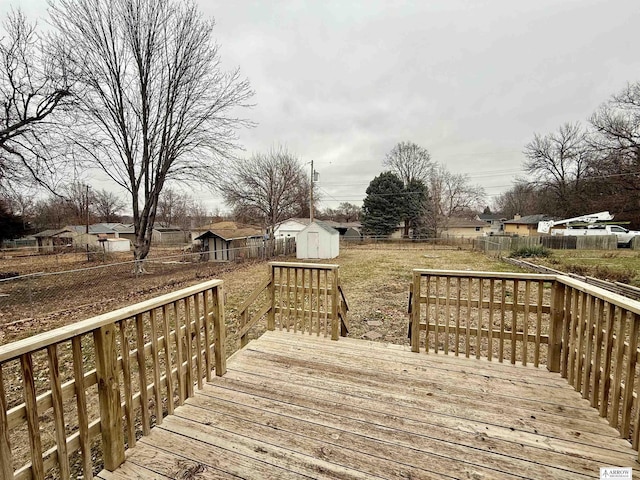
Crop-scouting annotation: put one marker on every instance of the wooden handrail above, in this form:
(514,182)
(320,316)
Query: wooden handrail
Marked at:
(303,297)
(156,349)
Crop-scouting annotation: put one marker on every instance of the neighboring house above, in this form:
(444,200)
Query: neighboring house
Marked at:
(226,241)
(46,241)
(318,240)
(290,227)
(526,226)
(464,227)
(160,235)
(495,222)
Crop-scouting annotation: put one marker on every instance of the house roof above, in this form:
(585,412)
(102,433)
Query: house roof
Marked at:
(47,233)
(529,219)
(457,222)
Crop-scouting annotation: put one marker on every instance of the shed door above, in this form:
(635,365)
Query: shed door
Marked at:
(313,244)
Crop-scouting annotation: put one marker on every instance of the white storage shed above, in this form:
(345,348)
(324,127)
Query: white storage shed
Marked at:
(318,240)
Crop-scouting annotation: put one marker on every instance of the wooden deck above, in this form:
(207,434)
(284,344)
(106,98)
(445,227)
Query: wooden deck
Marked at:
(296,406)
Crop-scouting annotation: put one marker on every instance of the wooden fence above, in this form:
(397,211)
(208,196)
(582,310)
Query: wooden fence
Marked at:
(584,242)
(298,297)
(584,332)
(79,381)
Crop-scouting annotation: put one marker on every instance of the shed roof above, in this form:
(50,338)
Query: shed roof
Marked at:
(231,234)
(323,225)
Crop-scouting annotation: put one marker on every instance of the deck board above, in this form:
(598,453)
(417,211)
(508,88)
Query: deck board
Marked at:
(296,406)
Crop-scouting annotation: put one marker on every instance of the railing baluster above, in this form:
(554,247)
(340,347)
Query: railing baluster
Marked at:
(288,300)
(480,317)
(436,316)
(334,295)
(630,374)
(503,307)
(58,411)
(142,375)
(179,353)
(6,469)
(280,299)
(303,316)
(492,289)
(536,353)
(427,312)
(588,355)
(81,402)
(617,368)
(525,323)
(573,329)
(459,301)
(198,337)
(582,323)
(514,321)
(219,331)
(168,363)
(467,348)
(605,384)
(566,332)
(33,425)
(156,366)
(189,346)
(318,302)
(447,315)
(295,300)
(125,347)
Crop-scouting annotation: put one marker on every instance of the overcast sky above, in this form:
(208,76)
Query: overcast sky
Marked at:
(341,82)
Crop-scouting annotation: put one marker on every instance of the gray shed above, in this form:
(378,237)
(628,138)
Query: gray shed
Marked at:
(318,240)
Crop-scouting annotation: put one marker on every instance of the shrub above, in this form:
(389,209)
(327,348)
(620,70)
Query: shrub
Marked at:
(533,251)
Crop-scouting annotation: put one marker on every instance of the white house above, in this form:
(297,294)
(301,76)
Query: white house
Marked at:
(290,227)
(318,240)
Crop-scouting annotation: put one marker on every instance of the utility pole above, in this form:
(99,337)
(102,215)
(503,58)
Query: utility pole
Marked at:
(311,194)
(314,178)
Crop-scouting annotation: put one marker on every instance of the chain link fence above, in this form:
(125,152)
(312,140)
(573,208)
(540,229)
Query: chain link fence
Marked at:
(66,287)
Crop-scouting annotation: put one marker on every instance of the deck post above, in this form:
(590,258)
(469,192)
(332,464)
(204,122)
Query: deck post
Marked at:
(555,327)
(415,314)
(335,298)
(219,331)
(271,315)
(109,396)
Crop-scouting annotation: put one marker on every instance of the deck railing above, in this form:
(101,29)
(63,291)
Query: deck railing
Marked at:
(79,382)
(586,333)
(298,297)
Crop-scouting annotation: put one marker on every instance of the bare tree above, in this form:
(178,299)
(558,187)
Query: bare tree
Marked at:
(107,205)
(154,103)
(271,186)
(521,199)
(450,194)
(410,162)
(617,125)
(558,162)
(33,85)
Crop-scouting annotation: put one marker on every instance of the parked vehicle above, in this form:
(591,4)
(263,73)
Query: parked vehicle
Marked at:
(624,236)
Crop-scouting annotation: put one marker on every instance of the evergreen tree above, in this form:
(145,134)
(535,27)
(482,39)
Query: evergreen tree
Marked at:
(416,202)
(11,226)
(383,207)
